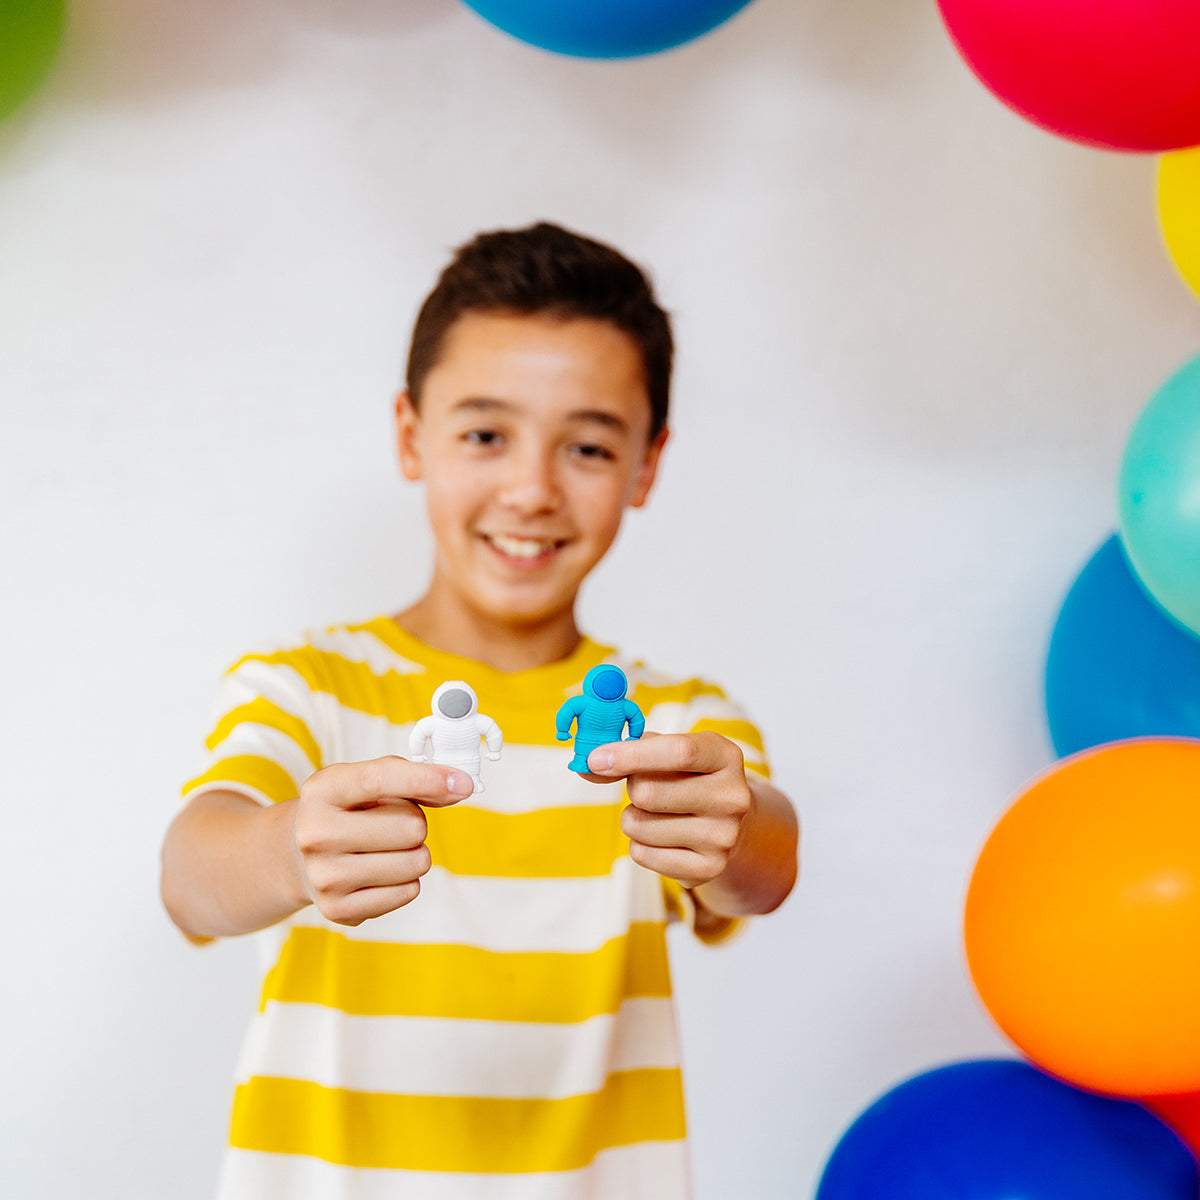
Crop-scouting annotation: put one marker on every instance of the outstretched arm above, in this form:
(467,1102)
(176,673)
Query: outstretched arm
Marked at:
(697,816)
(352,843)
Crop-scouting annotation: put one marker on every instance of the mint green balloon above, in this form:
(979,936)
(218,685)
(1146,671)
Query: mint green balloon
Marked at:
(1160,496)
(30,34)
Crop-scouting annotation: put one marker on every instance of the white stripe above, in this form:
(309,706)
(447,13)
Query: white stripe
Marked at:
(571,916)
(362,646)
(249,737)
(648,1171)
(678,716)
(429,1056)
(281,684)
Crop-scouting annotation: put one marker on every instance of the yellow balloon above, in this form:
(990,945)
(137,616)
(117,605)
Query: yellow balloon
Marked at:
(1179,211)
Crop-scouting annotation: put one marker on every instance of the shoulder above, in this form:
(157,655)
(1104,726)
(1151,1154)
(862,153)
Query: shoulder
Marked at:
(332,648)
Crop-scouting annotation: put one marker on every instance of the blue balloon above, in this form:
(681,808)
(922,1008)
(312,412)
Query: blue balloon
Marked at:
(1118,666)
(606,28)
(1001,1130)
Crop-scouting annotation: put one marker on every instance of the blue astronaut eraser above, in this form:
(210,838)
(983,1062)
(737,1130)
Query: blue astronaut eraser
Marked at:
(599,715)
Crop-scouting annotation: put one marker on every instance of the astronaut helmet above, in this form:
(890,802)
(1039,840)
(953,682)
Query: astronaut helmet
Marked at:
(605,682)
(455,700)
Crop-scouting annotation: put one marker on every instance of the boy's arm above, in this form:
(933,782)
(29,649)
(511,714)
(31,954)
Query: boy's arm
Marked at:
(697,816)
(352,843)
(230,866)
(761,872)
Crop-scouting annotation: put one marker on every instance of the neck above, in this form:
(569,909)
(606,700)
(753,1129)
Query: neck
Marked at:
(454,628)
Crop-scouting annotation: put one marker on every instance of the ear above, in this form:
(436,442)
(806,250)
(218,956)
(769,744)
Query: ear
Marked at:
(644,479)
(408,426)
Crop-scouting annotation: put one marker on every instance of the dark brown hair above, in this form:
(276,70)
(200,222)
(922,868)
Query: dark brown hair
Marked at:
(545,269)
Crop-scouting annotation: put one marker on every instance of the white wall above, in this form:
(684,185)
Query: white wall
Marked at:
(913,334)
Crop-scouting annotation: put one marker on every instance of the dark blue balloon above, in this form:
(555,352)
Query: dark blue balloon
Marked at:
(606,28)
(1001,1130)
(1118,666)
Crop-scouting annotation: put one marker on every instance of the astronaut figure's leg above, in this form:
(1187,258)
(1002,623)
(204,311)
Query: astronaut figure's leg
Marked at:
(471,766)
(582,750)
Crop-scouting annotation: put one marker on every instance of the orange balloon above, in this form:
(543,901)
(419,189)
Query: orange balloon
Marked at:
(1083,919)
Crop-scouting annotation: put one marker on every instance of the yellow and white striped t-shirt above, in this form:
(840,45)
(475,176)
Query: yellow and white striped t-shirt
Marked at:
(511,1032)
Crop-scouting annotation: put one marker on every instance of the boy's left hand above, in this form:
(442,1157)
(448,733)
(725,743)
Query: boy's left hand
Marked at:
(688,801)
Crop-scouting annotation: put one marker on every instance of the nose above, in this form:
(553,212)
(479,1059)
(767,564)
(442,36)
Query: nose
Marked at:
(531,483)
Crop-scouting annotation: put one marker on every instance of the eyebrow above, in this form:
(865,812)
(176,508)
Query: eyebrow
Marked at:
(596,416)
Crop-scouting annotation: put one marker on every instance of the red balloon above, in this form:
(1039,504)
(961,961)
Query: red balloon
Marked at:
(1118,74)
(1182,1113)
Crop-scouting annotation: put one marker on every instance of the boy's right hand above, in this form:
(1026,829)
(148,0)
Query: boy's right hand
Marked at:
(360,833)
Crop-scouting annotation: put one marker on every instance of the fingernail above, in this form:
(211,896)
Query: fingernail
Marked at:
(600,760)
(458,785)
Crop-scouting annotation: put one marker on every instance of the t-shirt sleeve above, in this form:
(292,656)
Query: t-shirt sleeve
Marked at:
(266,735)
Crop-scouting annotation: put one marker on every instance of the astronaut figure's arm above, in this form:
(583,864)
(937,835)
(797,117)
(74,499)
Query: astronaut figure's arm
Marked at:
(490,732)
(422,732)
(566,717)
(637,723)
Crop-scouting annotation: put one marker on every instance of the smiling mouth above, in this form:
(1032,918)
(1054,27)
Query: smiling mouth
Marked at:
(524,550)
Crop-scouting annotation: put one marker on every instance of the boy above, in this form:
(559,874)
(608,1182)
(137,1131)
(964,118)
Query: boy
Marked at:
(468,996)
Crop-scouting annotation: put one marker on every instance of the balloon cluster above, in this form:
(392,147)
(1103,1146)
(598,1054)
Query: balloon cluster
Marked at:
(1083,914)
(1082,919)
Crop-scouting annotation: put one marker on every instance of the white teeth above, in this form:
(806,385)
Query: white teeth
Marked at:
(519,547)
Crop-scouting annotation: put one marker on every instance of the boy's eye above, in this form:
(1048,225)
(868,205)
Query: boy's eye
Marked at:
(592,450)
(481,437)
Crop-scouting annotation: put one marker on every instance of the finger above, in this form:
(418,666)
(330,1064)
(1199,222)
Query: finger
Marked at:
(387,780)
(333,877)
(397,826)
(679,831)
(386,827)
(686,866)
(366,903)
(689,753)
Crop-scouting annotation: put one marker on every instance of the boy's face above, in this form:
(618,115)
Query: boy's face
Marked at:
(532,439)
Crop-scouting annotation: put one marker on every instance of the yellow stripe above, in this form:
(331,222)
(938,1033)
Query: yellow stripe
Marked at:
(457,1133)
(759,769)
(377,979)
(552,843)
(261,774)
(742,731)
(646,695)
(404,699)
(264,712)
(399,698)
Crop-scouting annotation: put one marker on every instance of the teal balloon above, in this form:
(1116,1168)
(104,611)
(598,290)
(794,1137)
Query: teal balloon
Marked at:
(1160,496)
(31,32)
